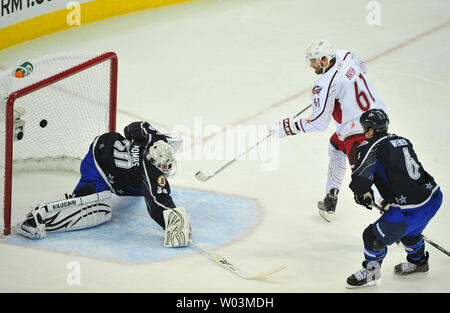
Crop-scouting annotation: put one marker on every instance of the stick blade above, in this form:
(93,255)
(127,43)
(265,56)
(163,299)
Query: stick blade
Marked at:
(233,268)
(201,176)
(240,272)
(266,273)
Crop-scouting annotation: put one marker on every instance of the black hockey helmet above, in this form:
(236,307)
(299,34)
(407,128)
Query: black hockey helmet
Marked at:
(376,119)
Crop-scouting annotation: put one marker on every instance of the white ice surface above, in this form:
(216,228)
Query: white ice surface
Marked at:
(242,61)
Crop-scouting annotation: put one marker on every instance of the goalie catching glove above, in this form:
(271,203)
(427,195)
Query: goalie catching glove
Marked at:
(177,227)
(143,131)
(139,131)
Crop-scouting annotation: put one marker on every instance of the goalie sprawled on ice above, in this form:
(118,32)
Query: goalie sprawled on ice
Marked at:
(135,165)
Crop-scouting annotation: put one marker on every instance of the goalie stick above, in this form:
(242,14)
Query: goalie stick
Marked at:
(203,177)
(235,269)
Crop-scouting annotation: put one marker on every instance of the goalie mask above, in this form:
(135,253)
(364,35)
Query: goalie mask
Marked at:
(161,155)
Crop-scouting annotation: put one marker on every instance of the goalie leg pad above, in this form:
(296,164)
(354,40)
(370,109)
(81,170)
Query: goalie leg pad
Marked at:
(177,227)
(78,213)
(66,215)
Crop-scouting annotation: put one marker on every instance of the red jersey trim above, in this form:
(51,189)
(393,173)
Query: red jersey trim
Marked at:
(301,125)
(326,99)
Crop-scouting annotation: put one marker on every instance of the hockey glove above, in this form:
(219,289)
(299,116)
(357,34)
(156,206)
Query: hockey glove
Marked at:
(177,227)
(137,131)
(283,128)
(365,200)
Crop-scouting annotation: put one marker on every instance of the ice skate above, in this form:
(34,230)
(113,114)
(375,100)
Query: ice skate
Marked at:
(327,207)
(369,275)
(408,268)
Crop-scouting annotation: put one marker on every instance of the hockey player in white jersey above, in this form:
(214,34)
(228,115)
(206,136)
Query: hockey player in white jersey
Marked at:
(343,92)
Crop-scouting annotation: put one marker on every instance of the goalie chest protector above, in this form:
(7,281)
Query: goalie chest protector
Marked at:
(121,162)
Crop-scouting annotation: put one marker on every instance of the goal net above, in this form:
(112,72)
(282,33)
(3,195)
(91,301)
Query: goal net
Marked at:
(49,118)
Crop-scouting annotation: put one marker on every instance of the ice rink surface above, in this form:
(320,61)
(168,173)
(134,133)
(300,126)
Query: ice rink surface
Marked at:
(206,66)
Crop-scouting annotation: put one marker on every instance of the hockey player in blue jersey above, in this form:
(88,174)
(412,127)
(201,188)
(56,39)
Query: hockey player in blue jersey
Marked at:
(135,165)
(410,195)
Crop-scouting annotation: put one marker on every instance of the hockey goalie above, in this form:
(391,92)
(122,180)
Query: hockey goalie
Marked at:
(135,165)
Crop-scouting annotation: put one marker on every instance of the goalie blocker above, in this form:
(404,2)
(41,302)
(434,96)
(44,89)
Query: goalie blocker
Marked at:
(177,227)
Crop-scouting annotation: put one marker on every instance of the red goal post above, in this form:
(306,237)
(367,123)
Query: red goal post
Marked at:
(67,100)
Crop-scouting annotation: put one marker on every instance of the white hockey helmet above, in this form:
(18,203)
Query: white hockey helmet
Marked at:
(161,155)
(318,50)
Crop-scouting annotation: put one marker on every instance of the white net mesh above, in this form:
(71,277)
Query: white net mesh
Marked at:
(61,119)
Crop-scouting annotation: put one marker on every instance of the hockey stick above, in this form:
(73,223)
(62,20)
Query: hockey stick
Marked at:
(233,268)
(431,242)
(203,177)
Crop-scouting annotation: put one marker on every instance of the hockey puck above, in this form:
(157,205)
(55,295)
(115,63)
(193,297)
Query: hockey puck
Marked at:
(43,123)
